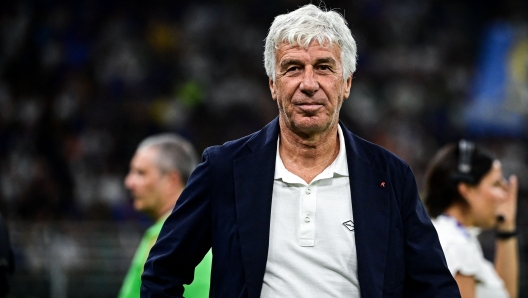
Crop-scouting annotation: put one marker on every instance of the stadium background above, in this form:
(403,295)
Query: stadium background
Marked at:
(82,82)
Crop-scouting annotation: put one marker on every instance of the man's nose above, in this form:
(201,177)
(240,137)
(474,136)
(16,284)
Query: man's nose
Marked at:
(128,181)
(309,84)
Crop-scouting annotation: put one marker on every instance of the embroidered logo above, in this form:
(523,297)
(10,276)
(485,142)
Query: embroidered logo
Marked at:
(349,225)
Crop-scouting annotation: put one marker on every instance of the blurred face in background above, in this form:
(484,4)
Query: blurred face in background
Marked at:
(485,197)
(145,181)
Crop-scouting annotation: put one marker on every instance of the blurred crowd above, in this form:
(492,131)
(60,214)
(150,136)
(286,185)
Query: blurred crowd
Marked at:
(82,82)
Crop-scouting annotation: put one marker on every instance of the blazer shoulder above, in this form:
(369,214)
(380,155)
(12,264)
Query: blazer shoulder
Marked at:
(254,142)
(229,150)
(378,156)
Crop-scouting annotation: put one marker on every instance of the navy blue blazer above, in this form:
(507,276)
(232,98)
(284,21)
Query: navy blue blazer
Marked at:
(227,204)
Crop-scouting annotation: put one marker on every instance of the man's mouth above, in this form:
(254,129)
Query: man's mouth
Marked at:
(308,107)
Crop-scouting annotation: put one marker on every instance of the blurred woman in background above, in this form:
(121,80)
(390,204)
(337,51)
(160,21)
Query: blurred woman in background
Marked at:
(466,192)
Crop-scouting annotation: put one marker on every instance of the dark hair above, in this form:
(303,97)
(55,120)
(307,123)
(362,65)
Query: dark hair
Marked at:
(443,176)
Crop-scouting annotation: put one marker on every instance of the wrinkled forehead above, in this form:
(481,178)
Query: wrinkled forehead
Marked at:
(305,43)
(286,46)
(291,50)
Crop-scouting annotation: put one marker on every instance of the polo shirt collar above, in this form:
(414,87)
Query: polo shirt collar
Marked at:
(338,168)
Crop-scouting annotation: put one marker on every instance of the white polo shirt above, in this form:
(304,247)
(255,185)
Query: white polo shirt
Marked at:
(312,249)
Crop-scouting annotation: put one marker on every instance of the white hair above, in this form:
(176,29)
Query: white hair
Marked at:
(174,153)
(306,24)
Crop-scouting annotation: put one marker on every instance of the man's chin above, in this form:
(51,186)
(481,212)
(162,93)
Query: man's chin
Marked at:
(138,206)
(310,125)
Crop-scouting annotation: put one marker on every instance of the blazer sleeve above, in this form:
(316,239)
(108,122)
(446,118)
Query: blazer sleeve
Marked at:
(427,274)
(184,239)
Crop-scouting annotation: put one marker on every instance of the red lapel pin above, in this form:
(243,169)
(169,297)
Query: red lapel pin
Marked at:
(382,184)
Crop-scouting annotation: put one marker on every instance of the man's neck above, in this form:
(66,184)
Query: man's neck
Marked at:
(168,203)
(307,156)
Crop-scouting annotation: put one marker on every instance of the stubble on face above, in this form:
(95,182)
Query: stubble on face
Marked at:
(309,88)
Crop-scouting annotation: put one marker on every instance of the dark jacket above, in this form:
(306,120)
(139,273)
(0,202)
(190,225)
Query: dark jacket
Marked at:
(227,205)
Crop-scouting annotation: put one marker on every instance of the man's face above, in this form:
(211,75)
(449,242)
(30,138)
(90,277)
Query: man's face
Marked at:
(145,181)
(309,87)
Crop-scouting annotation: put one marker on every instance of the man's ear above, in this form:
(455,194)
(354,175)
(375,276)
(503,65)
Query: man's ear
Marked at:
(272,89)
(174,178)
(348,84)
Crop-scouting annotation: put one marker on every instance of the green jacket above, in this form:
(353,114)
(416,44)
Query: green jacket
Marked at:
(199,288)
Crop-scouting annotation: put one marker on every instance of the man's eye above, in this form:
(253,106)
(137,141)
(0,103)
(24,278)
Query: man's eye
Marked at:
(293,68)
(323,67)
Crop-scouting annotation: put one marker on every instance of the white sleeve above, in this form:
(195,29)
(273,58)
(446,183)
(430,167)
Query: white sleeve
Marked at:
(462,258)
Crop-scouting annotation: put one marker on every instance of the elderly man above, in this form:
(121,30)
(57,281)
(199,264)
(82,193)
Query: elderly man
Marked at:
(158,174)
(303,207)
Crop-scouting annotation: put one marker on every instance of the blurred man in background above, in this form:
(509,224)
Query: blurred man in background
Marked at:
(158,174)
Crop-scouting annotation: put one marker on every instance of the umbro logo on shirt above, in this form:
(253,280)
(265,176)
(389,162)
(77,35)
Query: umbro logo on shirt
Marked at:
(349,225)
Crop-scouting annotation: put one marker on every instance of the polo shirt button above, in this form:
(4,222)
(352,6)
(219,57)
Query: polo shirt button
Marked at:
(308,191)
(306,219)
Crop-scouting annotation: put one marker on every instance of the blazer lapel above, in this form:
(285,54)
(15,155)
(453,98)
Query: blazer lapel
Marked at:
(371,208)
(253,192)
(370,203)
